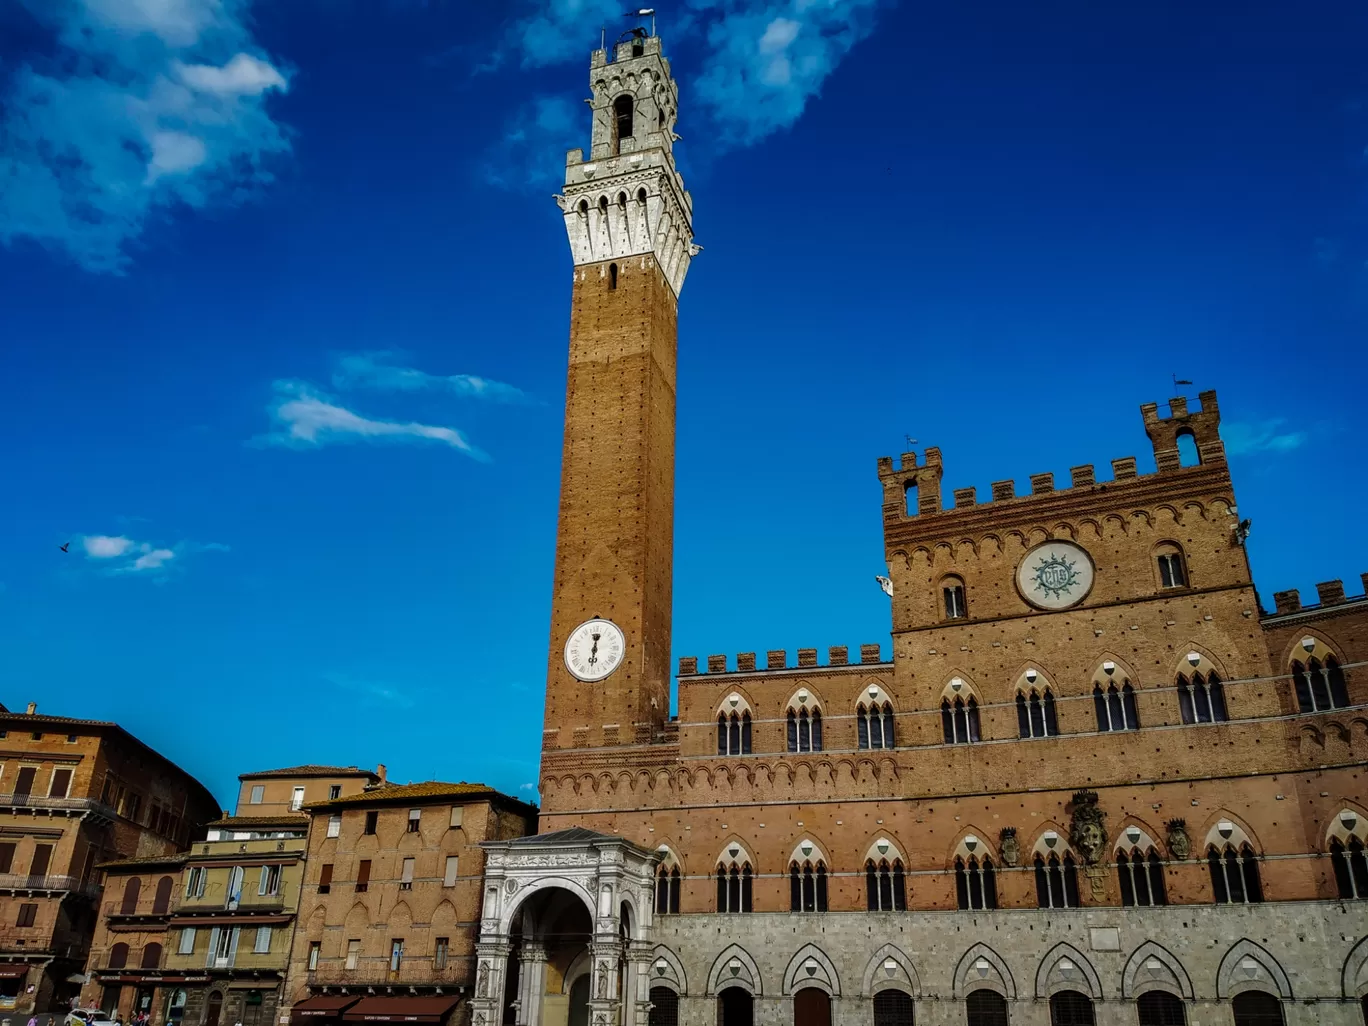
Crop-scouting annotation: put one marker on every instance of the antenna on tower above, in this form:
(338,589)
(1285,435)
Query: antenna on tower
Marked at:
(910,442)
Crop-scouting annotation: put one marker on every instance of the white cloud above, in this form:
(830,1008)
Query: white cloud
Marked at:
(152,559)
(146,106)
(1242,439)
(305,418)
(379,371)
(528,787)
(531,153)
(104,546)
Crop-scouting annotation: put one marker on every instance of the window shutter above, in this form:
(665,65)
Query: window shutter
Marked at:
(452,871)
(265,879)
(42,857)
(233,945)
(6,856)
(61,782)
(407,876)
(263,940)
(187,940)
(213,946)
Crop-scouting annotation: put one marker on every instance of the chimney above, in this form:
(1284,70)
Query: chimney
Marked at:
(380,772)
(32,708)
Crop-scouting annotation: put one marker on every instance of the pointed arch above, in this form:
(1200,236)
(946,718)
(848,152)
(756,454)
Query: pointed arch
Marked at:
(878,976)
(735,967)
(1354,975)
(1206,661)
(884,846)
(1322,647)
(1152,966)
(971,842)
(959,685)
(811,967)
(797,701)
(1339,829)
(815,853)
(668,971)
(1064,967)
(1052,839)
(1249,966)
(1124,841)
(1215,832)
(982,967)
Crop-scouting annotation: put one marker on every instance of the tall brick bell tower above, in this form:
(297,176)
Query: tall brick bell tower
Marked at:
(628,219)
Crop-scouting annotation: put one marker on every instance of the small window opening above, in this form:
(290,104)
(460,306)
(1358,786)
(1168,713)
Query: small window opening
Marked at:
(952,592)
(1187,450)
(603,204)
(910,499)
(622,200)
(622,121)
(584,206)
(641,195)
(612,276)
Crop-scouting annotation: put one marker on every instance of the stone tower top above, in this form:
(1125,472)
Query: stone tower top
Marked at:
(628,199)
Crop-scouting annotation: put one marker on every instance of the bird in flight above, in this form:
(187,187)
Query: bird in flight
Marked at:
(65,547)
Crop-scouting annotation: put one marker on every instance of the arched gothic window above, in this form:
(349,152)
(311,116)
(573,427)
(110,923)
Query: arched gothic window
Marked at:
(952,598)
(960,721)
(1234,874)
(1115,707)
(1172,569)
(1256,1008)
(667,888)
(1351,869)
(1071,1008)
(975,882)
(734,887)
(807,886)
(1202,699)
(734,733)
(885,886)
(132,889)
(1160,1008)
(985,1008)
(1056,881)
(875,725)
(1141,876)
(1320,685)
(118,956)
(622,121)
(1036,714)
(804,730)
(151,956)
(893,1008)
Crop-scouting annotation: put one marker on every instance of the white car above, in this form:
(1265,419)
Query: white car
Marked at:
(84,1017)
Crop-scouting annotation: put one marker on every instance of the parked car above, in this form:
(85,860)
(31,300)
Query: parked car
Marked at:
(83,1017)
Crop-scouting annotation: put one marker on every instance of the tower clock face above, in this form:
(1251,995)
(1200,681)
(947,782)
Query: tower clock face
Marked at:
(594,649)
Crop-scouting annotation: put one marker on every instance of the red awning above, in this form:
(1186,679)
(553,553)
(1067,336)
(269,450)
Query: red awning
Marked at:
(401,1009)
(10,972)
(322,1006)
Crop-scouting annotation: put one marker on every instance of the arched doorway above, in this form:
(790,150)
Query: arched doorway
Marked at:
(986,1008)
(664,1007)
(1255,1008)
(735,1007)
(1159,1008)
(811,1007)
(579,1002)
(215,1009)
(893,1008)
(1070,1008)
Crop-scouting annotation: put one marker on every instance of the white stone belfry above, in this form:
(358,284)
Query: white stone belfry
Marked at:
(628,199)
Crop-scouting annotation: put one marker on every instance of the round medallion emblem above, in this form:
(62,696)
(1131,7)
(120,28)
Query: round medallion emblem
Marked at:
(1055,575)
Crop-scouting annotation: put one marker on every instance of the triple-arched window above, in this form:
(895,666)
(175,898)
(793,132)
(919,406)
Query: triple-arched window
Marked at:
(807,886)
(1319,685)
(1201,699)
(1056,881)
(804,730)
(1036,713)
(1141,875)
(885,885)
(975,882)
(1115,707)
(874,723)
(667,887)
(734,733)
(960,720)
(1234,874)
(734,880)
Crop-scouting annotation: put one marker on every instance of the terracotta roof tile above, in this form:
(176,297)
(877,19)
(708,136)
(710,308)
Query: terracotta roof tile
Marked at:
(145,860)
(310,771)
(402,792)
(293,819)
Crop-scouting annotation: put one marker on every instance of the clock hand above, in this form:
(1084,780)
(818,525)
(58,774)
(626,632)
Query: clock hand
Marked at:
(593,652)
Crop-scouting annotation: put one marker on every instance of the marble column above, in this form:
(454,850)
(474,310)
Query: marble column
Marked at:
(531,983)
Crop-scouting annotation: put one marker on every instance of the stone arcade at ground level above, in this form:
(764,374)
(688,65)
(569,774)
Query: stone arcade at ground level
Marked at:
(568,937)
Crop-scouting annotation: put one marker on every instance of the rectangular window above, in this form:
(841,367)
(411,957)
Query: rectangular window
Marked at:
(28,914)
(24,785)
(263,940)
(258,794)
(456,811)
(71,739)
(335,824)
(363,875)
(223,950)
(315,948)
(452,870)
(325,879)
(297,799)
(42,858)
(37,735)
(134,807)
(6,856)
(372,818)
(334,791)
(439,954)
(353,953)
(61,783)
(187,941)
(194,882)
(396,954)
(406,876)
(270,880)
(415,817)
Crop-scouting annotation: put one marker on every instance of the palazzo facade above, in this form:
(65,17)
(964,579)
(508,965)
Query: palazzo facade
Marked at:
(1089,780)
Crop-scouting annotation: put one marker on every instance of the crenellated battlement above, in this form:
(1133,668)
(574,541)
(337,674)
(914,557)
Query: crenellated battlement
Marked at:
(1328,593)
(776,660)
(912,487)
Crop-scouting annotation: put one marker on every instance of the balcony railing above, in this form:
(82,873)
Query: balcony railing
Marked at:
(143,908)
(411,972)
(41,801)
(27,882)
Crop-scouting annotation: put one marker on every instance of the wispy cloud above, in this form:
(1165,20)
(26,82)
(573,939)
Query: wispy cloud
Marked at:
(119,554)
(371,691)
(307,419)
(379,371)
(531,153)
(147,105)
(1271,435)
(528,787)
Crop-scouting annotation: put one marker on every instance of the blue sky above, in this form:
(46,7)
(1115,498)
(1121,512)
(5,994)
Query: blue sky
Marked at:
(283,304)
